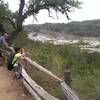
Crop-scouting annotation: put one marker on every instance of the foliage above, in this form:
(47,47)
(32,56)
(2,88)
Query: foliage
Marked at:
(32,8)
(5,17)
(63,6)
(84,67)
(84,28)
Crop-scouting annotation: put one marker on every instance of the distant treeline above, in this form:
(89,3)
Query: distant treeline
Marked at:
(84,28)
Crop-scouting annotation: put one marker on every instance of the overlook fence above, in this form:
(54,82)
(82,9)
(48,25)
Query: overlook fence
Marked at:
(37,91)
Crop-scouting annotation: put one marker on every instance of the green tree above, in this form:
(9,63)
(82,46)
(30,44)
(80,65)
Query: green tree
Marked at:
(3,9)
(34,6)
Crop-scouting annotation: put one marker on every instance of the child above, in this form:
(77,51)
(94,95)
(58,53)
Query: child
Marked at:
(19,53)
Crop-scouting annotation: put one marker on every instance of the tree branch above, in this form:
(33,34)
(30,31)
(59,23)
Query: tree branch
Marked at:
(35,8)
(10,20)
(20,15)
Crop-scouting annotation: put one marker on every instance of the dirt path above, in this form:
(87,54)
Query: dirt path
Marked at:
(10,88)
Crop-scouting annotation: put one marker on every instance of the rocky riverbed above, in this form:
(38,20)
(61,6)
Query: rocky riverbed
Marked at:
(87,41)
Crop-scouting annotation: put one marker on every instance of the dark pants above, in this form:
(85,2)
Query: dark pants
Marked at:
(18,71)
(17,68)
(0,53)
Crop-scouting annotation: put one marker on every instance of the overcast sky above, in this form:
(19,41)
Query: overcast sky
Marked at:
(90,10)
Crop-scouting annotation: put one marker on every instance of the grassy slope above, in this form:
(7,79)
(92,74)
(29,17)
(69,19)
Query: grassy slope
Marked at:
(84,67)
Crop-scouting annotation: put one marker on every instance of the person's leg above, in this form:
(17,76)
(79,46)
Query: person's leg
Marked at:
(18,71)
(0,58)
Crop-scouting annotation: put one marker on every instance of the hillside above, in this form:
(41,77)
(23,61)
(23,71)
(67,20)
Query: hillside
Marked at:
(84,67)
(84,28)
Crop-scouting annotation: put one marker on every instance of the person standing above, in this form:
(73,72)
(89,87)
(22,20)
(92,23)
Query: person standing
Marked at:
(3,45)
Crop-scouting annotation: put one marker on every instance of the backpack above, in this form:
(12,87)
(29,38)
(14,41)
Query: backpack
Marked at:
(9,61)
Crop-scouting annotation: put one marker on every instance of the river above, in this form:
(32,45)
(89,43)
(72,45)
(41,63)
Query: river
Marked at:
(90,43)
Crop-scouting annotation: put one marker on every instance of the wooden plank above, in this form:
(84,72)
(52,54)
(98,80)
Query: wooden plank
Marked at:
(68,92)
(33,93)
(39,90)
(33,63)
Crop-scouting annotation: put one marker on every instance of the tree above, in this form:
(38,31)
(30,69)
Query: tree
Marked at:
(34,6)
(5,16)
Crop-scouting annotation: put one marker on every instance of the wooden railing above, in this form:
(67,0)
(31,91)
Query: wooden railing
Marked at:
(37,91)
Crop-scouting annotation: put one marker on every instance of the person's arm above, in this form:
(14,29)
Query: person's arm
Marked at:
(11,48)
(23,52)
(5,44)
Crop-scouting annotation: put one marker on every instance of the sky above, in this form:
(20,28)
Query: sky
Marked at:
(89,11)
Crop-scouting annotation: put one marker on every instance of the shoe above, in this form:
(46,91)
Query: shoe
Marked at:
(20,77)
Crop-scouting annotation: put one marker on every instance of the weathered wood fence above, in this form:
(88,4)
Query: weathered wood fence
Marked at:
(37,91)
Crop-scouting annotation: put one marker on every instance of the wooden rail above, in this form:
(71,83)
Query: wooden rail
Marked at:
(34,64)
(35,87)
(33,93)
(69,93)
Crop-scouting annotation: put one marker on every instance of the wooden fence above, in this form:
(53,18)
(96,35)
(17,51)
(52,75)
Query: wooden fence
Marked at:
(37,91)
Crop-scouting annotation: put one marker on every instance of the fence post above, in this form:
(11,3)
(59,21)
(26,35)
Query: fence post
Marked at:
(67,77)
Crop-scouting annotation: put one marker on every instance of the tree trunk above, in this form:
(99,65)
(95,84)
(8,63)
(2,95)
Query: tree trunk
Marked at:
(19,21)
